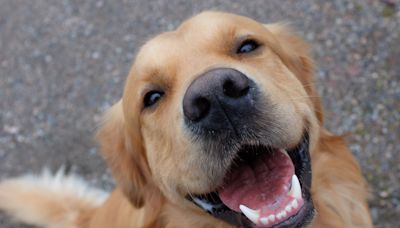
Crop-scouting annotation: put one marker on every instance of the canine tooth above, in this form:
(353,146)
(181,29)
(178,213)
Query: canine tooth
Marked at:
(251,214)
(284,214)
(264,220)
(283,151)
(295,190)
(271,218)
(295,204)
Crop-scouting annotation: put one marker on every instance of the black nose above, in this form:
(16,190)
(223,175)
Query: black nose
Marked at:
(217,97)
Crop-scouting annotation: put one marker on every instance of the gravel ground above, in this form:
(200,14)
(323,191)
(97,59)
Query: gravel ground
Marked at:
(62,63)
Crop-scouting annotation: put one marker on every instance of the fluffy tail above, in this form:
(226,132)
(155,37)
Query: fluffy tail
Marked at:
(48,200)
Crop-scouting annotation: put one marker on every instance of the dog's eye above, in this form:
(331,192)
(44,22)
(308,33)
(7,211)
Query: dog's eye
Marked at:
(152,97)
(247,46)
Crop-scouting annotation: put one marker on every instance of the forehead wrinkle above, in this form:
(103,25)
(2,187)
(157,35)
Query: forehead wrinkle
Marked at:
(158,57)
(155,49)
(208,34)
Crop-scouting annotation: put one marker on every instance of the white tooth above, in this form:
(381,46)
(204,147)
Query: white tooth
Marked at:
(288,208)
(295,190)
(283,151)
(295,204)
(284,214)
(279,216)
(251,214)
(264,220)
(271,218)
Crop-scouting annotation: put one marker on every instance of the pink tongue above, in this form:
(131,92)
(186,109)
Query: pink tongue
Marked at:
(262,183)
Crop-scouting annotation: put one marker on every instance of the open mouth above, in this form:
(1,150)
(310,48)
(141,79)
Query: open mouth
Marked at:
(265,187)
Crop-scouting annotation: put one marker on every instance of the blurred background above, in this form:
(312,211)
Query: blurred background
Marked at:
(63,63)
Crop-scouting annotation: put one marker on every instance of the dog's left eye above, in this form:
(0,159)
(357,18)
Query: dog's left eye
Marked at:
(247,46)
(152,97)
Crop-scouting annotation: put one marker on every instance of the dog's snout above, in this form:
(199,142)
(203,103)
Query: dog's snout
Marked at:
(217,95)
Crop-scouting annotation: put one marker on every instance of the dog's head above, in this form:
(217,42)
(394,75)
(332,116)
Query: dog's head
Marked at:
(221,113)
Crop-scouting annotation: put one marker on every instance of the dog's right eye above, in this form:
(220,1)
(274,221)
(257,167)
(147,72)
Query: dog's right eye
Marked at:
(152,97)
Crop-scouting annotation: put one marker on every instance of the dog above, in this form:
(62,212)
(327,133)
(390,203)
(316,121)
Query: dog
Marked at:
(219,125)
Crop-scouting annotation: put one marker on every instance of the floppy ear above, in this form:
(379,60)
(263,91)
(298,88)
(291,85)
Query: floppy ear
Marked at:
(297,57)
(125,160)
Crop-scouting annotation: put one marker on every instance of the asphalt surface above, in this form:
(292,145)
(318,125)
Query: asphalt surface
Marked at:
(62,63)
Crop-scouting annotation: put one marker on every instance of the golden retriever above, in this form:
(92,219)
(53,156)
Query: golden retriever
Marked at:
(220,125)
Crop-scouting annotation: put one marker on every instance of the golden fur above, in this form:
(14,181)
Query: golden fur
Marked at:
(154,161)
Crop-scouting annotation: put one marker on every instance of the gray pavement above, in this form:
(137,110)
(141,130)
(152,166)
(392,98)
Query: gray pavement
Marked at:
(62,63)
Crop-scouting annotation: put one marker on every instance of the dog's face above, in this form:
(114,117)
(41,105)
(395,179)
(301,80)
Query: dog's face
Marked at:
(222,113)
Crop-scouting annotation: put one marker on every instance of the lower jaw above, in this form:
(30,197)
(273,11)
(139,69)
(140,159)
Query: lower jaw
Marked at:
(307,213)
(302,216)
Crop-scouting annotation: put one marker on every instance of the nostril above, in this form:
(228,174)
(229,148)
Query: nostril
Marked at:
(235,89)
(215,95)
(199,109)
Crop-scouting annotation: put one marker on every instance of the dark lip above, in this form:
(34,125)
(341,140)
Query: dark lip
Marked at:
(301,159)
